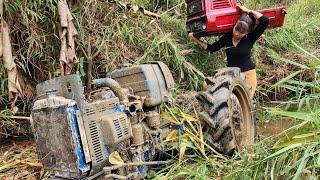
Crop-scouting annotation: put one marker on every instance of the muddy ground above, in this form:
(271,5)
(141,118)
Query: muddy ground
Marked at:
(18,159)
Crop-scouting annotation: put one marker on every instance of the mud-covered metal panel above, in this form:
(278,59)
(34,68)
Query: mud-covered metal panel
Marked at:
(118,127)
(166,74)
(69,87)
(57,137)
(92,114)
(152,81)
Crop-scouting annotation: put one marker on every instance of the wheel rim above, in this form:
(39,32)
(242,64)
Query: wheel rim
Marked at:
(242,124)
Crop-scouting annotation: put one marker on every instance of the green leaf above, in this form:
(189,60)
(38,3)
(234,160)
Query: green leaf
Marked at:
(306,140)
(303,162)
(281,151)
(305,135)
(305,51)
(291,114)
(284,80)
(274,55)
(318,160)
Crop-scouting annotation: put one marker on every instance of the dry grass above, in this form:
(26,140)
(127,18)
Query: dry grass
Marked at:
(18,161)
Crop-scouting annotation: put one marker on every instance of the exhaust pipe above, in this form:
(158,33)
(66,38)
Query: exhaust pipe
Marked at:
(114,86)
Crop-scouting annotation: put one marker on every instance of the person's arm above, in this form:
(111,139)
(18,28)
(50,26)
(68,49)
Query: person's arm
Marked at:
(210,47)
(202,44)
(255,14)
(263,22)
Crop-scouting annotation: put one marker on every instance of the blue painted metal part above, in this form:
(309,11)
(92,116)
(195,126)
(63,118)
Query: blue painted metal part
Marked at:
(180,129)
(76,134)
(106,152)
(144,168)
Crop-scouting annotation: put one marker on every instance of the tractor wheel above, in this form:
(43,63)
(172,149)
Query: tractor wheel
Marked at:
(228,111)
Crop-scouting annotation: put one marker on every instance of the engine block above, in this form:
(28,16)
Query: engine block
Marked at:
(76,133)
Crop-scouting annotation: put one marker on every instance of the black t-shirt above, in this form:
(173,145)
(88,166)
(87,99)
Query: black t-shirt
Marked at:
(240,55)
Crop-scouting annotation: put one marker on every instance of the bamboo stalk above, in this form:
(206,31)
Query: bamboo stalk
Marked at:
(20,117)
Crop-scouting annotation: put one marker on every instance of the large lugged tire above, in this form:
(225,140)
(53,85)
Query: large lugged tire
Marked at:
(227,109)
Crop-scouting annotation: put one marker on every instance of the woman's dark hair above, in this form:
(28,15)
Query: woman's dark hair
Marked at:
(245,23)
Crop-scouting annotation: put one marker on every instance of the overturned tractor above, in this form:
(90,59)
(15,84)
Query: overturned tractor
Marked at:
(82,137)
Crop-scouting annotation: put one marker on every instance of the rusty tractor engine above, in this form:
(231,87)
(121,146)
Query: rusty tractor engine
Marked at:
(116,131)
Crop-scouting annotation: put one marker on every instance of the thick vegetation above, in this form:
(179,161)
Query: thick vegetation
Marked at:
(110,35)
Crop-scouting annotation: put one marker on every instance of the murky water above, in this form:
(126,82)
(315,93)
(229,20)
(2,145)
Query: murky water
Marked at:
(274,127)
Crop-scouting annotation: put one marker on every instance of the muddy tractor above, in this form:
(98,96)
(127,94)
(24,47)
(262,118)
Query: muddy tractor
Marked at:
(116,131)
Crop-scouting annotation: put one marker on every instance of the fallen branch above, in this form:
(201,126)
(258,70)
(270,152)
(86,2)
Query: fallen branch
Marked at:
(186,52)
(136,8)
(190,66)
(18,126)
